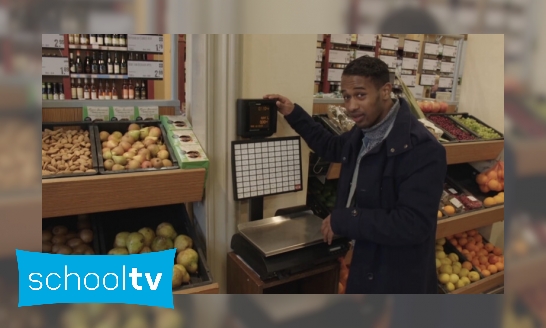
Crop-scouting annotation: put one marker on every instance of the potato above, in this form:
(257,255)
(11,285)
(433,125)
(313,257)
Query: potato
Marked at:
(66,151)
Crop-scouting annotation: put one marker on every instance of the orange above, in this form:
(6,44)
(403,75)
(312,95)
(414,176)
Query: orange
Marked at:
(467,265)
(492,175)
(463,241)
(453,242)
(492,268)
(486,273)
(497,251)
(450,210)
(481,179)
(483,260)
(489,247)
(489,201)
(478,238)
(500,266)
(440,214)
(476,262)
(493,184)
(485,189)
(479,245)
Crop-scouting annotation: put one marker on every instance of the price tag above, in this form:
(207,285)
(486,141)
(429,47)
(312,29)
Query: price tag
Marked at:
(318,74)
(456,202)
(472,198)
(340,38)
(410,63)
(147,43)
(55,66)
(453,191)
(338,56)
(389,60)
(430,64)
(360,53)
(145,69)
(445,82)
(447,67)
(450,51)
(120,113)
(431,48)
(53,41)
(96,113)
(320,53)
(389,43)
(320,37)
(427,79)
(147,113)
(334,75)
(409,80)
(412,46)
(366,39)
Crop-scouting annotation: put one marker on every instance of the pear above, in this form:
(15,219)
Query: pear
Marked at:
(144,132)
(121,239)
(118,251)
(182,242)
(145,250)
(133,127)
(188,258)
(166,229)
(135,242)
(148,234)
(161,243)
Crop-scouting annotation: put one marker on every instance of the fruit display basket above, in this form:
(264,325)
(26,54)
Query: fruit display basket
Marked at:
(448,249)
(468,116)
(111,223)
(456,125)
(122,127)
(454,190)
(85,126)
(464,177)
(71,223)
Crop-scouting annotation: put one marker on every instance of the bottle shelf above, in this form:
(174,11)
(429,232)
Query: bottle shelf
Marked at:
(99,76)
(96,47)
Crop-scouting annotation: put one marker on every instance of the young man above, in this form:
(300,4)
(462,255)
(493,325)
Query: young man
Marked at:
(391,182)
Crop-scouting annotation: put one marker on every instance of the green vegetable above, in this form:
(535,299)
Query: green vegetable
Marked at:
(482,130)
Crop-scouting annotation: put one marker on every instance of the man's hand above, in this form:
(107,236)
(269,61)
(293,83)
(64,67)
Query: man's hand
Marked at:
(326,229)
(284,104)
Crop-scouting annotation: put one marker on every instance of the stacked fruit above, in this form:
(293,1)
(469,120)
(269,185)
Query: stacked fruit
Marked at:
(450,126)
(482,130)
(451,273)
(61,240)
(486,257)
(492,179)
(496,200)
(147,240)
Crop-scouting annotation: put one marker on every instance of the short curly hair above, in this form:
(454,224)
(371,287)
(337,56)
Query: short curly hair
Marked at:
(371,67)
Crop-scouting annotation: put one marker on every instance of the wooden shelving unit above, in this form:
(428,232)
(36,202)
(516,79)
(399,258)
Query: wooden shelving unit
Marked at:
(468,221)
(483,285)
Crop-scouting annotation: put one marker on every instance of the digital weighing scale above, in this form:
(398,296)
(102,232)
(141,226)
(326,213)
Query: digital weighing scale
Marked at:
(285,244)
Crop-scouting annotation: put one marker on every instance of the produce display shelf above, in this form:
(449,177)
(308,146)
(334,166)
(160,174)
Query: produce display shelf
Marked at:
(207,289)
(99,76)
(96,47)
(468,221)
(483,285)
(82,195)
(457,153)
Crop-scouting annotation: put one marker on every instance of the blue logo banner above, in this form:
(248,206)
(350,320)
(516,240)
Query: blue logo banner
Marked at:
(141,279)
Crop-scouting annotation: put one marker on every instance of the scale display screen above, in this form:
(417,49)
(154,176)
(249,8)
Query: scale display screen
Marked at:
(256,118)
(266,167)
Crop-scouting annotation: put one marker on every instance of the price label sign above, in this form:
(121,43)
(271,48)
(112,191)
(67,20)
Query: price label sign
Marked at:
(366,39)
(148,113)
(430,64)
(389,43)
(57,66)
(412,46)
(447,67)
(389,60)
(334,75)
(450,51)
(320,53)
(318,74)
(410,63)
(320,37)
(96,113)
(338,56)
(340,38)
(53,41)
(409,80)
(147,43)
(427,79)
(360,53)
(145,69)
(120,113)
(431,48)
(445,82)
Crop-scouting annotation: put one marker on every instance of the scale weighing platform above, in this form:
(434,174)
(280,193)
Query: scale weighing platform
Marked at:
(285,244)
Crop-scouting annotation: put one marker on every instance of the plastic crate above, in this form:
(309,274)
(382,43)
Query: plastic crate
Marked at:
(450,184)
(111,223)
(71,222)
(448,249)
(122,127)
(86,126)
(466,115)
(458,125)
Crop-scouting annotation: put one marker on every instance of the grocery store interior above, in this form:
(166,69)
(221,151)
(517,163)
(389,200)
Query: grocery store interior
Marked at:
(141,136)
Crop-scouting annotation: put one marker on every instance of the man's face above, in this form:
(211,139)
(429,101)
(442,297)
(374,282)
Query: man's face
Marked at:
(363,101)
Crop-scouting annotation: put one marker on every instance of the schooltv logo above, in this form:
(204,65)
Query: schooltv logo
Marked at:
(140,279)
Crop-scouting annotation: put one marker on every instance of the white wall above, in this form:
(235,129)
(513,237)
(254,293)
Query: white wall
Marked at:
(282,64)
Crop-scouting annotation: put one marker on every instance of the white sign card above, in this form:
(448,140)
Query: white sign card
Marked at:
(418,91)
(427,79)
(410,63)
(334,75)
(366,39)
(340,38)
(431,48)
(145,69)
(430,64)
(124,113)
(339,56)
(320,53)
(148,112)
(389,60)
(55,66)
(445,82)
(53,41)
(389,43)
(320,37)
(99,113)
(450,51)
(318,74)
(447,67)
(144,42)
(360,53)
(409,80)
(412,46)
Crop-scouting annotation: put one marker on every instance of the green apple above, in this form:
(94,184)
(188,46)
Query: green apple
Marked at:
(438,264)
(453,278)
(464,273)
(465,280)
(456,269)
(441,241)
(446,268)
(444,278)
(453,257)
(439,248)
(450,286)
(446,261)
(473,276)
(460,284)
(440,255)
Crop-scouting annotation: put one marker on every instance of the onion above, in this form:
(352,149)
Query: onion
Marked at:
(104,136)
(155,132)
(59,239)
(55,248)
(46,235)
(46,247)
(163,154)
(108,164)
(74,242)
(60,230)
(134,127)
(89,251)
(71,235)
(86,235)
(64,250)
